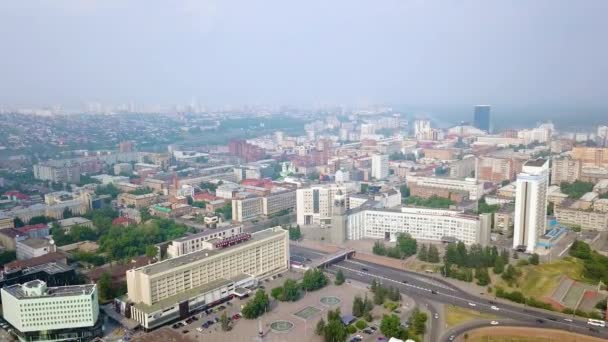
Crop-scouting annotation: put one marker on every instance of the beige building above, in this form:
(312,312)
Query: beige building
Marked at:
(586,219)
(565,170)
(591,156)
(278,201)
(245,209)
(169,289)
(471,186)
(137,201)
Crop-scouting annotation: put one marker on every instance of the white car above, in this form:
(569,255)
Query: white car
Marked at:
(436,315)
(567,320)
(199,329)
(494,307)
(494,322)
(472,304)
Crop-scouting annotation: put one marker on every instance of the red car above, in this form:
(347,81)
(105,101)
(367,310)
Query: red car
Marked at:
(236,316)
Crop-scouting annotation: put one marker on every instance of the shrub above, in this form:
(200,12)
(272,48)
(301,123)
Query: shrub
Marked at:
(523,263)
(391,306)
(361,324)
(351,329)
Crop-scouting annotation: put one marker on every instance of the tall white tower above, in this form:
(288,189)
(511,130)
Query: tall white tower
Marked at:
(380,166)
(531,204)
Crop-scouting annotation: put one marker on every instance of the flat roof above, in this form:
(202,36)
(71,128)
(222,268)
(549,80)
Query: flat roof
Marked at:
(35,242)
(205,253)
(536,162)
(60,291)
(180,297)
(205,233)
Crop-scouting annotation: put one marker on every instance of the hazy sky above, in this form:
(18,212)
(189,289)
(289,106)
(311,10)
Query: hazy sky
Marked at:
(415,52)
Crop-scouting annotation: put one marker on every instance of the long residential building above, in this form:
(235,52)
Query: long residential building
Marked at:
(585,219)
(420,223)
(66,173)
(252,206)
(172,289)
(63,313)
(469,185)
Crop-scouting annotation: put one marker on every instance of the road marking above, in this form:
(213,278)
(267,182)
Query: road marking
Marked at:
(464,300)
(565,249)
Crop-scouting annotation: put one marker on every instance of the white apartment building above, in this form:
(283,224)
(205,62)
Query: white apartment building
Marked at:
(34,247)
(161,292)
(194,242)
(251,207)
(531,204)
(380,166)
(421,223)
(68,173)
(422,129)
(470,185)
(38,312)
(314,204)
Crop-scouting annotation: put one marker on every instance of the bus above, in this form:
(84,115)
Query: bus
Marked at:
(596,322)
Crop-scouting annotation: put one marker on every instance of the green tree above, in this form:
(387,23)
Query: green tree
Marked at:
(334,330)
(7,256)
(406,244)
(291,291)
(39,219)
(482,276)
(405,191)
(510,274)
(320,328)
(499,266)
(339,278)
(422,253)
(151,251)
(104,286)
(224,322)
(418,322)
(534,259)
(313,279)
(358,307)
(277,293)
(379,248)
(257,306)
(433,254)
(390,326)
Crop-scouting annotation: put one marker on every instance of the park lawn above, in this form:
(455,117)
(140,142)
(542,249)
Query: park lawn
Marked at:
(541,280)
(456,315)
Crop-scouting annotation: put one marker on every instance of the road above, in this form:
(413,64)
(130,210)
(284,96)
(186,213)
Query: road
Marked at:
(417,285)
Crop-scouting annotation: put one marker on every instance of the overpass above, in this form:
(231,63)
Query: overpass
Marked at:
(331,259)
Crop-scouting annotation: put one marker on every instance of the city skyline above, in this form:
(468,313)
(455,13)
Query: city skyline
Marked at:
(305,54)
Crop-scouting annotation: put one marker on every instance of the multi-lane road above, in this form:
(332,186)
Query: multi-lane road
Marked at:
(418,285)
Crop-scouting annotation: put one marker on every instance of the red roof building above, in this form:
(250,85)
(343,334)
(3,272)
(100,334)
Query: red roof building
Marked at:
(16,196)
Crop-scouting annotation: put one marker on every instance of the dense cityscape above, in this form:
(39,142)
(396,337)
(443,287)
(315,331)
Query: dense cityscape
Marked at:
(395,171)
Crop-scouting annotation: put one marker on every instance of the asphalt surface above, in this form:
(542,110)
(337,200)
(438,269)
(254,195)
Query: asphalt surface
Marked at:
(418,285)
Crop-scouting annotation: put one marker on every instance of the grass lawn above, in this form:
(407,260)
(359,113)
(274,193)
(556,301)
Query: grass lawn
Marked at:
(456,315)
(541,280)
(486,338)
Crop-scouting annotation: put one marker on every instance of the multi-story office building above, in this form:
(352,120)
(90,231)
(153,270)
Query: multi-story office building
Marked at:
(421,223)
(565,170)
(468,185)
(575,216)
(380,166)
(531,204)
(63,313)
(278,201)
(64,173)
(481,117)
(314,204)
(168,290)
(194,242)
(246,209)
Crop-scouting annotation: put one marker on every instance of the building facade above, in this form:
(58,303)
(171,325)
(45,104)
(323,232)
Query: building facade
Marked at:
(62,313)
(565,170)
(531,204)
(481,117)
(194,242)
(420,223)
(380,166)
(468,185)
(314,204)
(168,290)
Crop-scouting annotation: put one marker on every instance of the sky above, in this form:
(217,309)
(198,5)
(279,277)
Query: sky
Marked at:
(416,53)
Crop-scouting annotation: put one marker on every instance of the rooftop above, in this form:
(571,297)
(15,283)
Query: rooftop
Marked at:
(536,162)
(73,221)
(35,242)
(17,290)
(189,258)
